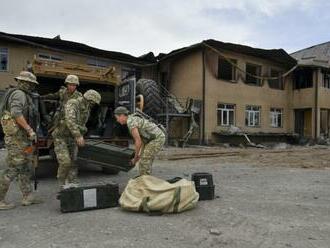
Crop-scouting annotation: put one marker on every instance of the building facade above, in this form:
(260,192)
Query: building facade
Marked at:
(231,81)
(51,60)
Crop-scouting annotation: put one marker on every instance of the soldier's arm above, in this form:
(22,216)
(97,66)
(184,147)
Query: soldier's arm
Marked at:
(52,96)
(137,144)
(71,110)
(17,102)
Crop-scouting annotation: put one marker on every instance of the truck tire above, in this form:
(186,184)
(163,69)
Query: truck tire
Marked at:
(152,96)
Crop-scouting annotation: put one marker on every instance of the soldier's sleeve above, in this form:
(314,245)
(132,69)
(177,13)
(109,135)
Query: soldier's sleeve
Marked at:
(134,122)
(53,96)
(71,112)
(17,101)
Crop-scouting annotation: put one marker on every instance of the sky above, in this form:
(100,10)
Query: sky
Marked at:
(138,27)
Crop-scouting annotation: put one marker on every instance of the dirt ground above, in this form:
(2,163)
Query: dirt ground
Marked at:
(265,198)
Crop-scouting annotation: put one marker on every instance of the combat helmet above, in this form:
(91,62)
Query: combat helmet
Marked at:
(27,76)
(93,95)
(72,79)
(121,110)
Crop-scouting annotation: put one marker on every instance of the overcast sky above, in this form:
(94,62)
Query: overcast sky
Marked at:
(137,27)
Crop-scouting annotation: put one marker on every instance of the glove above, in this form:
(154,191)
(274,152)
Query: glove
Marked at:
(32,136)
(80,141)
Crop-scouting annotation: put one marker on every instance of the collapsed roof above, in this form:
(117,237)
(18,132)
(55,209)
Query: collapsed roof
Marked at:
(275,55)
(316,56)
(71,46)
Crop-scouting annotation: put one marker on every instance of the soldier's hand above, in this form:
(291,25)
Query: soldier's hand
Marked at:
(32,136)
(80,141)
(135,160)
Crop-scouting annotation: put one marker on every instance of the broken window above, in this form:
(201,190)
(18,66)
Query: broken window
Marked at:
(326,79)
(49,57)
(254,70)
(98,63)
(226,114)
(276,117)
(226,70)
(252,116)
(303,78)
(276,83)
(3,59)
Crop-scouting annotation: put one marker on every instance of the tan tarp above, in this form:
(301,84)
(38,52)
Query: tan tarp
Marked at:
(151,194)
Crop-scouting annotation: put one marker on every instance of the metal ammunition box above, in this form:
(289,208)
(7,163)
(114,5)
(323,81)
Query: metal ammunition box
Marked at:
(107,155)
(204,185)
(88,198)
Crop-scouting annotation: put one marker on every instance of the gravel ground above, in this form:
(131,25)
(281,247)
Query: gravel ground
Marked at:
(256,206)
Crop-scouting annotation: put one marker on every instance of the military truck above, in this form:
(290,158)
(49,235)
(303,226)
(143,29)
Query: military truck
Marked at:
(146,95)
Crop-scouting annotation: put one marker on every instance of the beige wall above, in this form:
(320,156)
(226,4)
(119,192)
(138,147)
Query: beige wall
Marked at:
(186,81)
(241,94)
(19,54)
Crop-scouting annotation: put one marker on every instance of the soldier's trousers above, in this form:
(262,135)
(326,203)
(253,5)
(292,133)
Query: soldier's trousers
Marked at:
(18,165)
(148,154)
(66,153)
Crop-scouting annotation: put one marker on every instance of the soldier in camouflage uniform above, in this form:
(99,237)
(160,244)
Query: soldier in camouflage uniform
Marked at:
(149,138)
(63,95)
(16,109)
(69,134)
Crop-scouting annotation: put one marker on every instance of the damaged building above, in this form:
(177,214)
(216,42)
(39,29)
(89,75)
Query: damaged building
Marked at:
(264,93)
(312,91)
(231,82)
(51,60)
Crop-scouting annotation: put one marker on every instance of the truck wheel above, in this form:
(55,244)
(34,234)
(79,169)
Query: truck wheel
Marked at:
(152,96)
(109,171)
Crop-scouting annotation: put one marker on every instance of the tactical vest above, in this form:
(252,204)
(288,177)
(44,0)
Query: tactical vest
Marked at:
(8,123)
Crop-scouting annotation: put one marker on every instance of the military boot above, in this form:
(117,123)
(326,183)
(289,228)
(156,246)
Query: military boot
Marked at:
(4,186)
(5,205)
(30,199)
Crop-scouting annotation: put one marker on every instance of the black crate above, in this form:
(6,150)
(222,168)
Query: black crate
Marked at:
(107,155)
(204,185)
(88,198)
(205,192)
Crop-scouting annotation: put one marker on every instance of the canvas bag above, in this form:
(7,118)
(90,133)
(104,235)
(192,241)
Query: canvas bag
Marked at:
(151,194)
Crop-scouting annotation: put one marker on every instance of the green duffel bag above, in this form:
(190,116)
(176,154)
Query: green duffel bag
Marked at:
(152,194)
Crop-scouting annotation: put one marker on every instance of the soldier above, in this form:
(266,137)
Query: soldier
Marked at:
(16,110)
(70,133)
(148,138)
(63,95)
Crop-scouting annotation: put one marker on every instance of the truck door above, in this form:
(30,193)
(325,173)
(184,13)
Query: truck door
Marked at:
(125,95)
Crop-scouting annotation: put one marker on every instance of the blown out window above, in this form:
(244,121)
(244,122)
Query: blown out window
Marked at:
(3,59)
(226,70)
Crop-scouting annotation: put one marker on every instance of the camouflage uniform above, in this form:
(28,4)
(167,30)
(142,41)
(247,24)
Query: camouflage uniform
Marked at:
(17,103)
(71,127)
(153,139)
(63,96)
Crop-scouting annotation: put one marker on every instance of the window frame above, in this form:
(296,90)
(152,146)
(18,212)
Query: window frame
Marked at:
(249,112)
(258,81)
(7,66)
(50,57)
(274,113)
(227,112)
(234,77)
(98,63)
(326,75)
